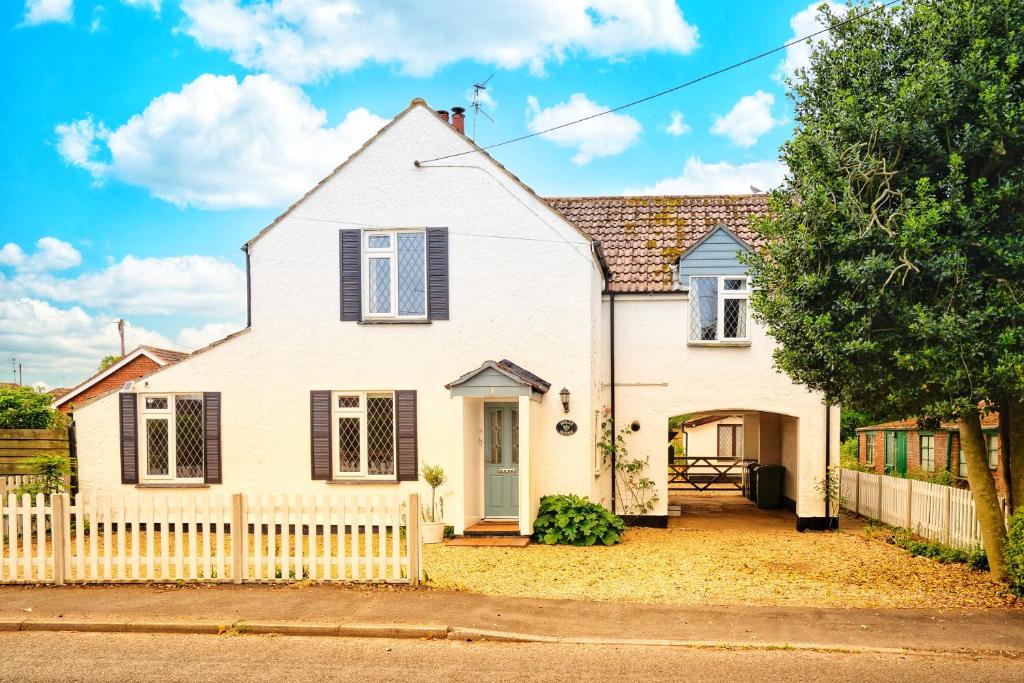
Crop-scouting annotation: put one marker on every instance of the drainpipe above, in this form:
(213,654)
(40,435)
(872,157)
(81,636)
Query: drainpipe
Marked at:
(248,288)
(607,272)
(828,457)
(949,450)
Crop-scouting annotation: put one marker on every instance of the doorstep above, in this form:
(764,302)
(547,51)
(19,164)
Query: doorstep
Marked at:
(493,527)
(490,541)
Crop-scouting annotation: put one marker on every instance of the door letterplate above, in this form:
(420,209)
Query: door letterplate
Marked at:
(506,470)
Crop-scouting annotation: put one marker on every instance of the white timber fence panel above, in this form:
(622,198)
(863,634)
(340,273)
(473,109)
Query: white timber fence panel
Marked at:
(210,538)
(942,513)
(11,483)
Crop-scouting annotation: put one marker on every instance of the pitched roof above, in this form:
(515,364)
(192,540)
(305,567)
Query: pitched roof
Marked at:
(643,237)
(510,370)
(163,357)
(988,421)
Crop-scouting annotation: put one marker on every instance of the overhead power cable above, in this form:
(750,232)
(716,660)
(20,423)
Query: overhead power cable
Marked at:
(648,98)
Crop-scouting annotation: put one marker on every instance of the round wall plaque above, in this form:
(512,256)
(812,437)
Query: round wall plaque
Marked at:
(566,427)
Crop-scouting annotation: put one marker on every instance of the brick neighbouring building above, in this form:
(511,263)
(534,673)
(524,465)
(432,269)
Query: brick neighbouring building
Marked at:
(944,442)
(141,361)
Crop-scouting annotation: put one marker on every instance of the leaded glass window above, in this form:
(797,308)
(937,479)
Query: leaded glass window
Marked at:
(173,442)
(719,310)
(157,451)
(396,264)
(365,443)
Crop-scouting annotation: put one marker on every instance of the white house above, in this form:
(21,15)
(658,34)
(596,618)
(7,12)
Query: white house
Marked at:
(407,311)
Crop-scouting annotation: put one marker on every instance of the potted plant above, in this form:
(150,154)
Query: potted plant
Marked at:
(433,518)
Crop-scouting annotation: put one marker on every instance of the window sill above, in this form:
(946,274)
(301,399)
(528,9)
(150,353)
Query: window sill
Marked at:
(719,343)
(171,485)
(394,321)
(360,482)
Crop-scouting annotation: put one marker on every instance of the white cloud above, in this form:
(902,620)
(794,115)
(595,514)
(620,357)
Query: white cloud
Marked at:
(677,126)
(604,136)
(151,4)
(44,11)
(197,337)
(306,40)
(50,254)
(803,23)
(748,120)
(220,144)
(718,178)
(197,285)
(59,346)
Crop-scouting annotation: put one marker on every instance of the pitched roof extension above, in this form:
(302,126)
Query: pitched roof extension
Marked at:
(643,237)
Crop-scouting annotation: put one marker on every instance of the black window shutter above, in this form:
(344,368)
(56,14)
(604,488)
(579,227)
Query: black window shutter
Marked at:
(320,434)
(129,439)
(437,273)
(349,242)
(211,437)
(408,461)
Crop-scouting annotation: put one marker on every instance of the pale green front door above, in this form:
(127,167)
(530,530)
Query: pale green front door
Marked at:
(501,460)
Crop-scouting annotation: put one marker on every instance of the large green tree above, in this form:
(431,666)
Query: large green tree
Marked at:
(893,274)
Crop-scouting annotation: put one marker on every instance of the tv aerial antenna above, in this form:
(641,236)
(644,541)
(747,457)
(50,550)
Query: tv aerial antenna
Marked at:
(476,106)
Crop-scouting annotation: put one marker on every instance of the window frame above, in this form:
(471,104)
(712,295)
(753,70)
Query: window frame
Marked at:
(390,253)
(869,448)
(990,452)
(170,414)
(722,295)
(920,450)
(361,412)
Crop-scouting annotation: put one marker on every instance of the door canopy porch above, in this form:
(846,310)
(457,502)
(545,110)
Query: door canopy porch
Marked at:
(499,379)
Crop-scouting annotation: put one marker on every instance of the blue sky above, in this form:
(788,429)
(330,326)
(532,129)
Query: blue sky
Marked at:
(146,140)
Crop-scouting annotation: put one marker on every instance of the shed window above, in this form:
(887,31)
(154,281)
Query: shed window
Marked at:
(172,438)
(869,448)
(992,447)
(928,452)
(961,471)
(719,310)
(364,442)
(396,276)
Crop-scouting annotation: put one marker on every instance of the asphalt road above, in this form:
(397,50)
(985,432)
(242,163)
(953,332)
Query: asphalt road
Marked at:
(41,656)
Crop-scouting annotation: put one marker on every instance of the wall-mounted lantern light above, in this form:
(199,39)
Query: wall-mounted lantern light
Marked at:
(564,393)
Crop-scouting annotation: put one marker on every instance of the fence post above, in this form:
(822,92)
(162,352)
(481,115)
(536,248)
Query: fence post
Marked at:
(238,534)
(947,512)
(879,479)
(413,539)
(59,536)
(856,495)
(910,503)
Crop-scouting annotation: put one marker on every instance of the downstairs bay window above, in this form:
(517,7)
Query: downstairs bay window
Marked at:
(364,434)
(171,438)
(719,310)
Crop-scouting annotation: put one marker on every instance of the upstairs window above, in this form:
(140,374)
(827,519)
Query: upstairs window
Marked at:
(395,281)
(719,310)
(171,428)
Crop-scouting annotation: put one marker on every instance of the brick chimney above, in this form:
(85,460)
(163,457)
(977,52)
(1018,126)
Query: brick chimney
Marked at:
(442,114)
(459,119)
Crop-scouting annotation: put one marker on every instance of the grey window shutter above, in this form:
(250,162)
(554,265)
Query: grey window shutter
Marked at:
(408,460)
(129,439)
(349,242)
(437,273)
(211,437)
(320,433)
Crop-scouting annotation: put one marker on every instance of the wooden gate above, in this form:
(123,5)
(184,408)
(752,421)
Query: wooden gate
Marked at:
(705,474)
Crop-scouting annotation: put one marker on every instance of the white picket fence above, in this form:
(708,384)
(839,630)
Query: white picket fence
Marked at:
(942,513)
(13,482)
(344,538)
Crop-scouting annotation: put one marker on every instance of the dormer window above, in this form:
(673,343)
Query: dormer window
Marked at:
(395,283)
(719,310)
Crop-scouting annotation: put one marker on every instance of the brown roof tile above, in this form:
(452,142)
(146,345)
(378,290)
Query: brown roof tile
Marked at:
(643,237)
(988,421)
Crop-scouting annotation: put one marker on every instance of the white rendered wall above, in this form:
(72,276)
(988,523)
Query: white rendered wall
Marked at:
(659,375)
(534,300)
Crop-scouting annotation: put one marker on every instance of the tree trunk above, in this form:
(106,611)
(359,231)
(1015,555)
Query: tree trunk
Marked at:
(983,487)
(1016,444)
